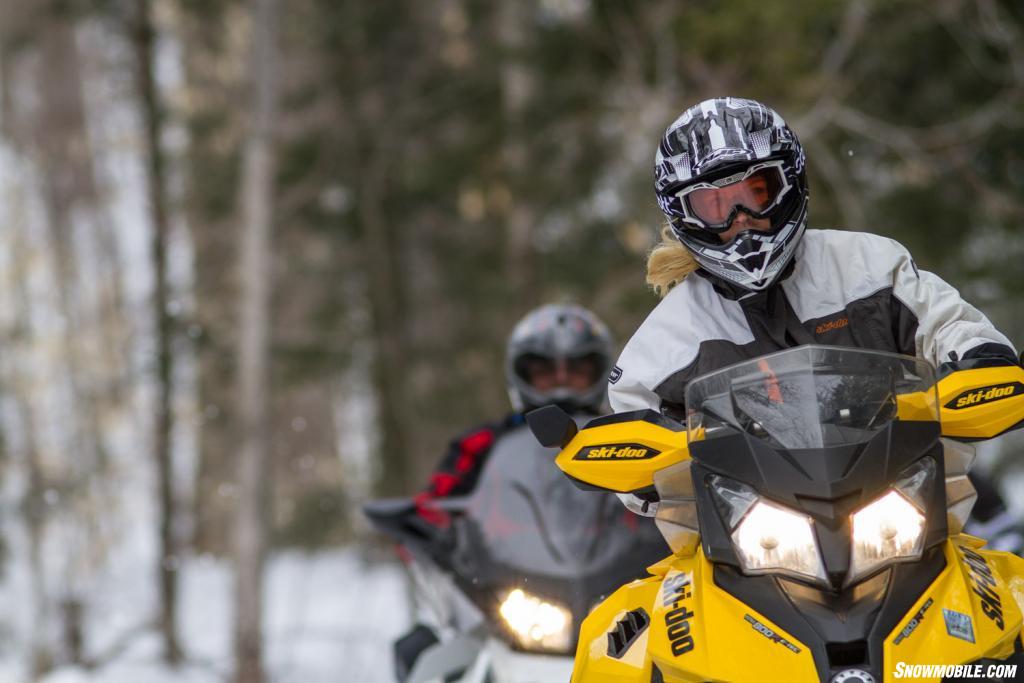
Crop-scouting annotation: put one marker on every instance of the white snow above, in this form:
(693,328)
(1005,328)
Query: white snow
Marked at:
(331,617)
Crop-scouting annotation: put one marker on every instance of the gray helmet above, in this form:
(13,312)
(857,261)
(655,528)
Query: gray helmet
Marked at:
(712,147)
(558,332)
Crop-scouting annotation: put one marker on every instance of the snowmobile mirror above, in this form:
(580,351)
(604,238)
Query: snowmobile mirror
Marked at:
(392,516)
(551,426)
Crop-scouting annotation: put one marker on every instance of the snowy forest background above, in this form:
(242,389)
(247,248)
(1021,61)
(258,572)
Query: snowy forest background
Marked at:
(258,261)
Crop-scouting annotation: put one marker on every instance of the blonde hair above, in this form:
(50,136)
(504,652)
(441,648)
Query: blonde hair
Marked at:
(669,263)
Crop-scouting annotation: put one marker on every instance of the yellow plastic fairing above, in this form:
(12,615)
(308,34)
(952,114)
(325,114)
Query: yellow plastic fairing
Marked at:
(981,403)
(622,452)
(593,662)
(970,612)
(918,406)
(695,632)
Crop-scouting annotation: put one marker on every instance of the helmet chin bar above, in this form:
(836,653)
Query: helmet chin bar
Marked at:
(725,262)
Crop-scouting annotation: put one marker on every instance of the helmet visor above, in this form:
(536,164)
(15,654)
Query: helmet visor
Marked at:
(757,190)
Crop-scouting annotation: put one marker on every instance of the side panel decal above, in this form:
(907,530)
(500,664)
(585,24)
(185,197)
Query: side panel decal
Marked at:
(770,634)
(678,591)
(915,621)
(984,586)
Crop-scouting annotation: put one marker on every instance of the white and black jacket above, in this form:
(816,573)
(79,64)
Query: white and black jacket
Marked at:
(843,289)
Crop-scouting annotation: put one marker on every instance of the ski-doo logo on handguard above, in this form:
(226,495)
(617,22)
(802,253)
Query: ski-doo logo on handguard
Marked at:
(677,588)
(976,397)
(617,451)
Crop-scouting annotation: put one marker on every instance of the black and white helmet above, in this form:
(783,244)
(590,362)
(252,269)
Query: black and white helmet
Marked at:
(722,157)
(555,334)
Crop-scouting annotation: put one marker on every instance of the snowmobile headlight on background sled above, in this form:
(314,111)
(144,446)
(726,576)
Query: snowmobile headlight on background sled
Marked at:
(535,623)
(768,538)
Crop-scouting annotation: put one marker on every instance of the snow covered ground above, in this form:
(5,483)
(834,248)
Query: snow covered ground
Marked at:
(331,617)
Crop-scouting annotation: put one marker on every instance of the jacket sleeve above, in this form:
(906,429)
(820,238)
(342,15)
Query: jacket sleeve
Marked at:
(631,384)
(457,471)
(626,392)
(934,322)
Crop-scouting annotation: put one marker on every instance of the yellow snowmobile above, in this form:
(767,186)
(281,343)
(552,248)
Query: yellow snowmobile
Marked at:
(814,510)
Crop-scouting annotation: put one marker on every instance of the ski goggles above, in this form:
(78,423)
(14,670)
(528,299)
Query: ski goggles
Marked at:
(713,205)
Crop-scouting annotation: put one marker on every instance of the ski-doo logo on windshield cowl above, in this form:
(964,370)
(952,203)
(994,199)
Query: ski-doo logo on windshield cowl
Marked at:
(617,451)
(984,586)
(976,397)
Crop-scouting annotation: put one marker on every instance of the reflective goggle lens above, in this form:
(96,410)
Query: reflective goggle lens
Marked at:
(757,193)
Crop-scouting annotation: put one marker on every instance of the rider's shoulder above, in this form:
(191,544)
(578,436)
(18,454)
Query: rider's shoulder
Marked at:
(838,242)
(672,333)
(482,436)
(824,253)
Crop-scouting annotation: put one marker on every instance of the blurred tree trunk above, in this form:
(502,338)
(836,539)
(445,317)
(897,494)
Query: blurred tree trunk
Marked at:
(213,66)
(143,38)
(306,340)
(392,233)
(518,83)
(32,504)
(64,156)
(390,332)
(61,146)
(256,194)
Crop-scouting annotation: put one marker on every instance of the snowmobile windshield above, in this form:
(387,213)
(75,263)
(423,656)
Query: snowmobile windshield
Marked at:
(812,397)
(526,527)
(527,519)
(537,552)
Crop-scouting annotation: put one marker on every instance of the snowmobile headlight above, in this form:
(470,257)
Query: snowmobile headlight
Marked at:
(535,623)
(889,529)
(772,538)
(768,538)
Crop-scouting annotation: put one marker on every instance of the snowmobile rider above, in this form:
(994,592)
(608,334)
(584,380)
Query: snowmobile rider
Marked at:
(741,275)
(557,354)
